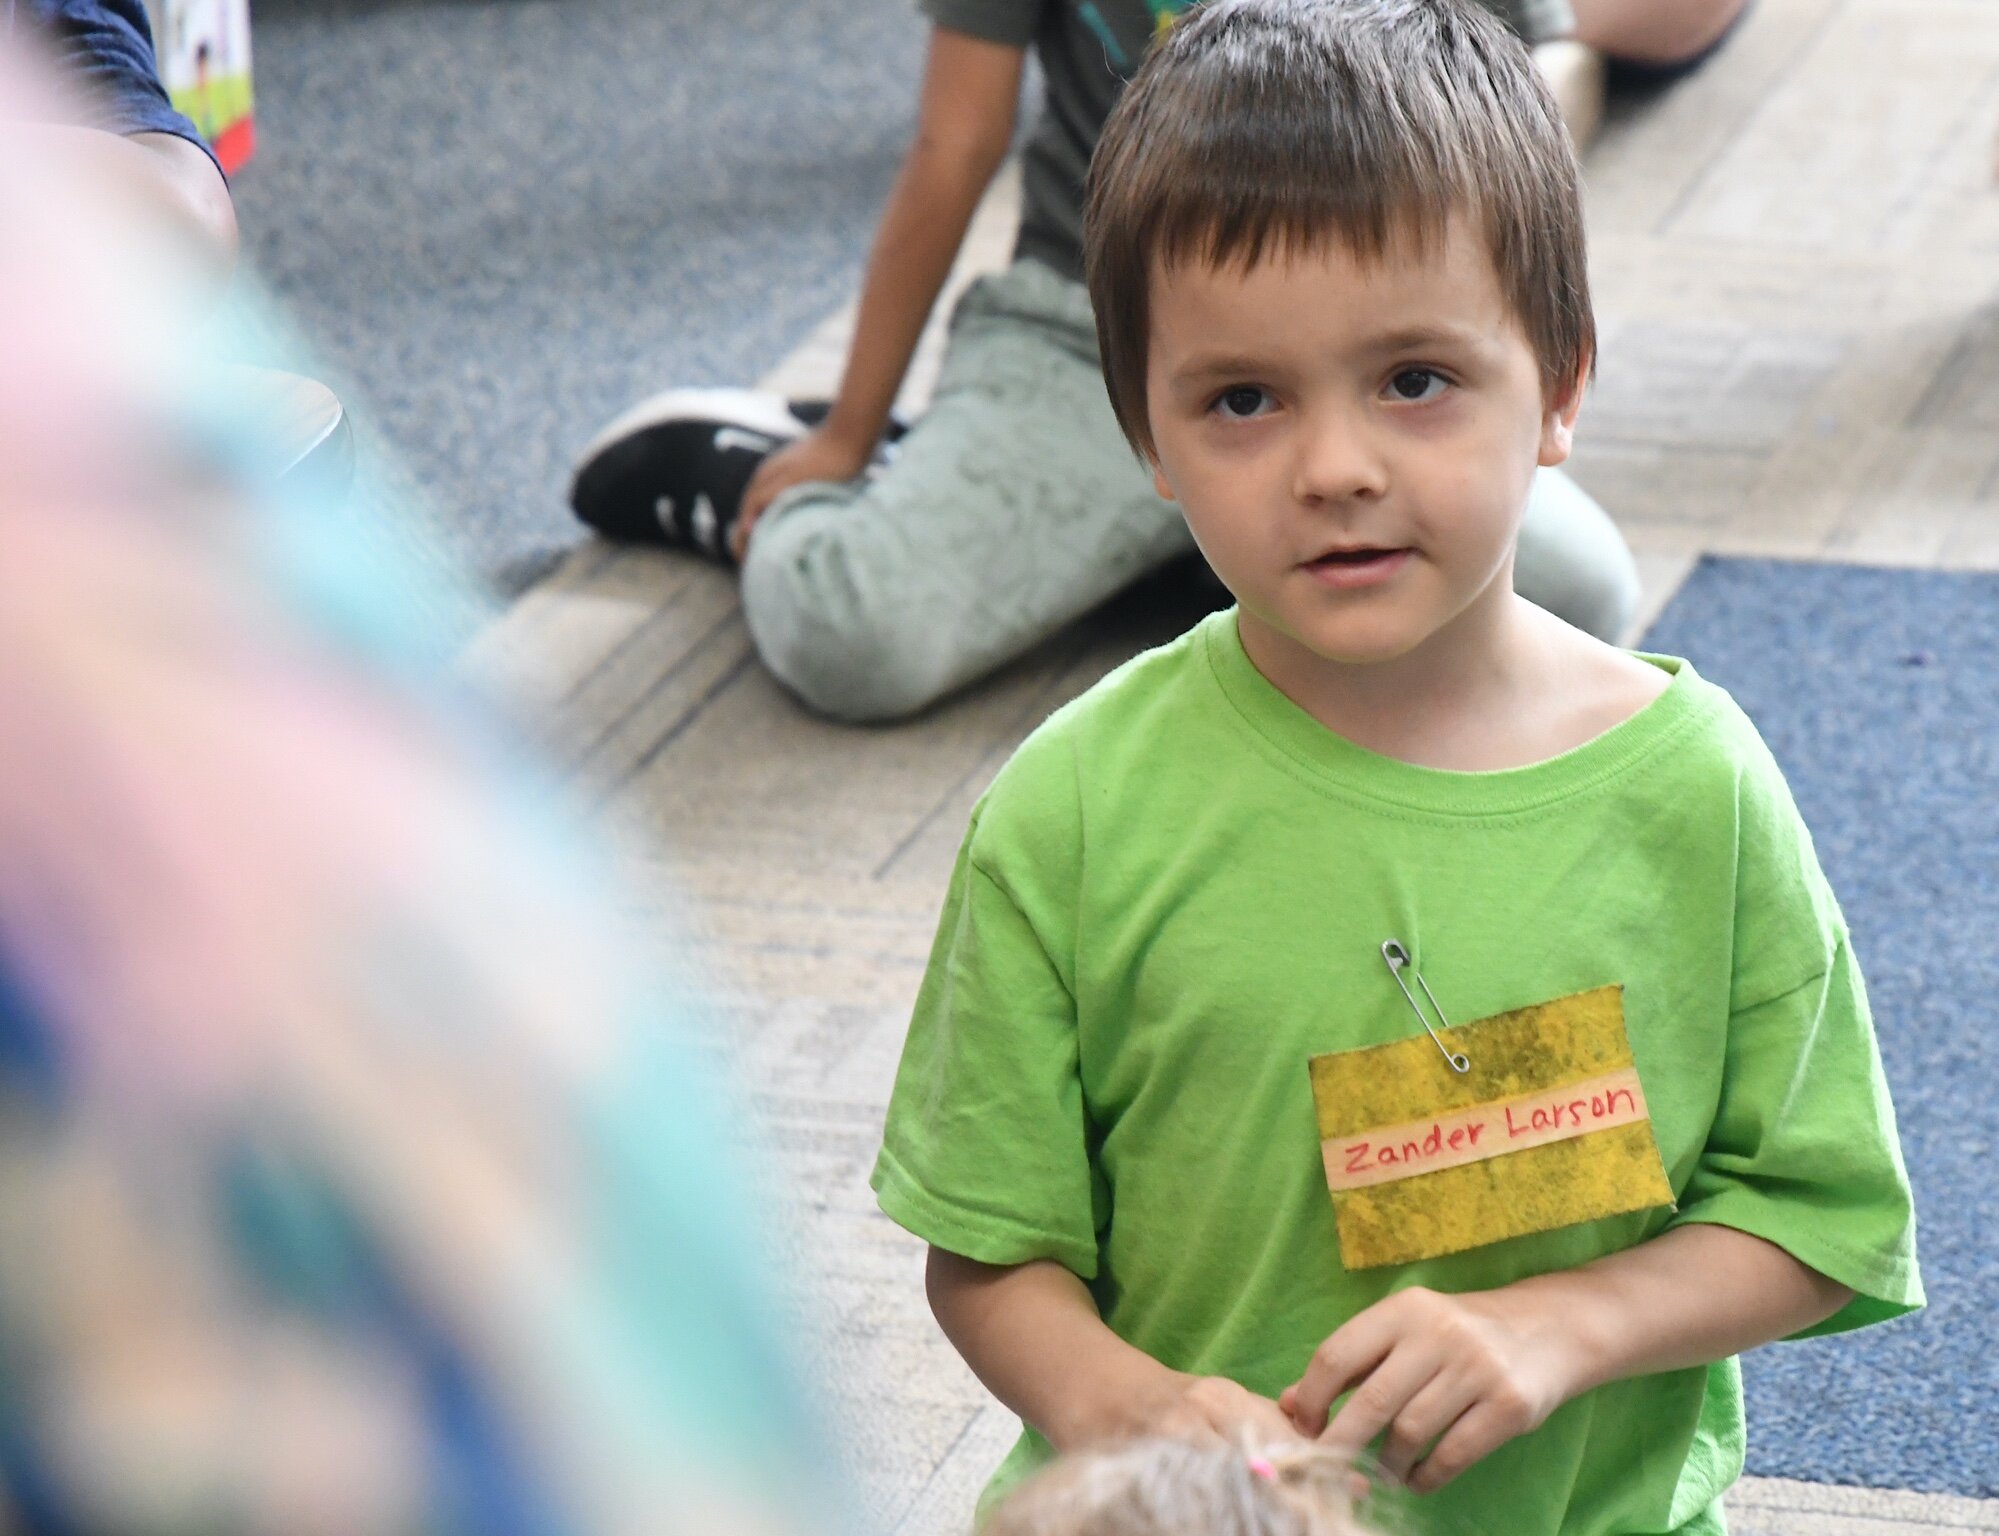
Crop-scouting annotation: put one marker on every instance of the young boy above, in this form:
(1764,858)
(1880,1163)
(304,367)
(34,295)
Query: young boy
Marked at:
(1013,505)
(1385,880)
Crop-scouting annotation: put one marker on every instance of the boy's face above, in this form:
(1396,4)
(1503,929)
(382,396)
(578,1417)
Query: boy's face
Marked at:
(1352,443)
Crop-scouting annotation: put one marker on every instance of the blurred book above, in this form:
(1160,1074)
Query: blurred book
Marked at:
(204,52)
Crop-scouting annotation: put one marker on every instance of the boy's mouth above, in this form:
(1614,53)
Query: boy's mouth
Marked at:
(1356,567)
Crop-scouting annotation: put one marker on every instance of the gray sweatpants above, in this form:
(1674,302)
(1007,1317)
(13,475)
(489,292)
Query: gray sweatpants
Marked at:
(1013,506)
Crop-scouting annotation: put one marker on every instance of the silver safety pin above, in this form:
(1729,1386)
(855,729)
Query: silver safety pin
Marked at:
(1398,957)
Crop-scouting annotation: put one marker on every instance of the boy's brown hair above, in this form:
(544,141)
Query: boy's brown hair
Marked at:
(1260,125)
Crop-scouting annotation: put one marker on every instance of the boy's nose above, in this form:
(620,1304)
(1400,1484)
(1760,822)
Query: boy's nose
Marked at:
(1338,460)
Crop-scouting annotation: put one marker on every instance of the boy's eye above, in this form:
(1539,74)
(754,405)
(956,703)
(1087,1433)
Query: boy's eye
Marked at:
(1417,384)
(1241,401)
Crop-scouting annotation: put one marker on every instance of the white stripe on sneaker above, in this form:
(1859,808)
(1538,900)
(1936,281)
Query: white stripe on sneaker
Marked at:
(757,410)
(707,526)
(735,437)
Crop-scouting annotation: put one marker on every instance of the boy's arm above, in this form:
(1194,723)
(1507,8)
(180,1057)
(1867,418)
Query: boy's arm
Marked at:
(1468,1373)
(971,90)
(1032,1334)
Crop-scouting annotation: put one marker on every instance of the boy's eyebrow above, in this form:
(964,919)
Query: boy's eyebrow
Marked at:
(1417,336)
(1207,365)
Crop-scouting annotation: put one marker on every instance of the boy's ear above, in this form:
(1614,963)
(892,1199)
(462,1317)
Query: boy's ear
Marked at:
(1558,420)
(1159,482)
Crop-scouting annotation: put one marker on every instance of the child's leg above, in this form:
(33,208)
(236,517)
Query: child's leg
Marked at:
(1572,560)
(1013,506)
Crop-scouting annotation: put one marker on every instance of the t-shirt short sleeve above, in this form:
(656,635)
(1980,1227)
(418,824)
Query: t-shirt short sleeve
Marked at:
(985,1152)
(1803,1150)
(1013,22)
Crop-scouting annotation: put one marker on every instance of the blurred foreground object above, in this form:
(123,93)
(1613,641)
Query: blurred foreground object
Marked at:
(307,439)
(351,1178)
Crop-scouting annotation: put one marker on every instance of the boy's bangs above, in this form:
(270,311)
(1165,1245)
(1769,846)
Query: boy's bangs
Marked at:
(1248,174)
(1254,219)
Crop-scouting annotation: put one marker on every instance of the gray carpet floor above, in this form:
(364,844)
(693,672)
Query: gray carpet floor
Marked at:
(1877,691)
(497,224)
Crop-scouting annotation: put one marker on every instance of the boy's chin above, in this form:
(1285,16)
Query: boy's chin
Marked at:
(1351,640)
(1386,628)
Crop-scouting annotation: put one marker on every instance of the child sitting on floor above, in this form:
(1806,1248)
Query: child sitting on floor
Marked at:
(1637,1121)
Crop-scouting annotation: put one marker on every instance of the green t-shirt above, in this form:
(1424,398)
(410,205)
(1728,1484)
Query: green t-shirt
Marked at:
(1088,49)
(1175,894)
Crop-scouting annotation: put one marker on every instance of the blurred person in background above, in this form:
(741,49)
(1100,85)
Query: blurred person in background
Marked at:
(118,125)
(351,1179)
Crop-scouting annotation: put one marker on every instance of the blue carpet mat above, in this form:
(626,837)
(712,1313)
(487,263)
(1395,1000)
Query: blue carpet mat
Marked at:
(500,222)
(1879,693)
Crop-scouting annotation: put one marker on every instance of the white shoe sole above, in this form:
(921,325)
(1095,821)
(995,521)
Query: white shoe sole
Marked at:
(756,410)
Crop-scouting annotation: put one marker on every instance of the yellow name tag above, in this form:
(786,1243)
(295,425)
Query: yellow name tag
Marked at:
(1547,1128)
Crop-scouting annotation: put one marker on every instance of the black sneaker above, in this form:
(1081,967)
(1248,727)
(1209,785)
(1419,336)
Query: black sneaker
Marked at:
(672,470)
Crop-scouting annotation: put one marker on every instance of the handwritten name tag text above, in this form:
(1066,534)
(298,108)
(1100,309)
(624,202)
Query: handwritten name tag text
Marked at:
(1388,1152)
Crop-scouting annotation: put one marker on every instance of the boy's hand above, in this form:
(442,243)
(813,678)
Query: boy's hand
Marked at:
(1033,1335)
(1207,1407)
(819,455)
(1462,1374)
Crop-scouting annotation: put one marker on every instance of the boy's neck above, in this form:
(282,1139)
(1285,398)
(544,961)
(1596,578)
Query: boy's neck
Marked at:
(1476,696)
